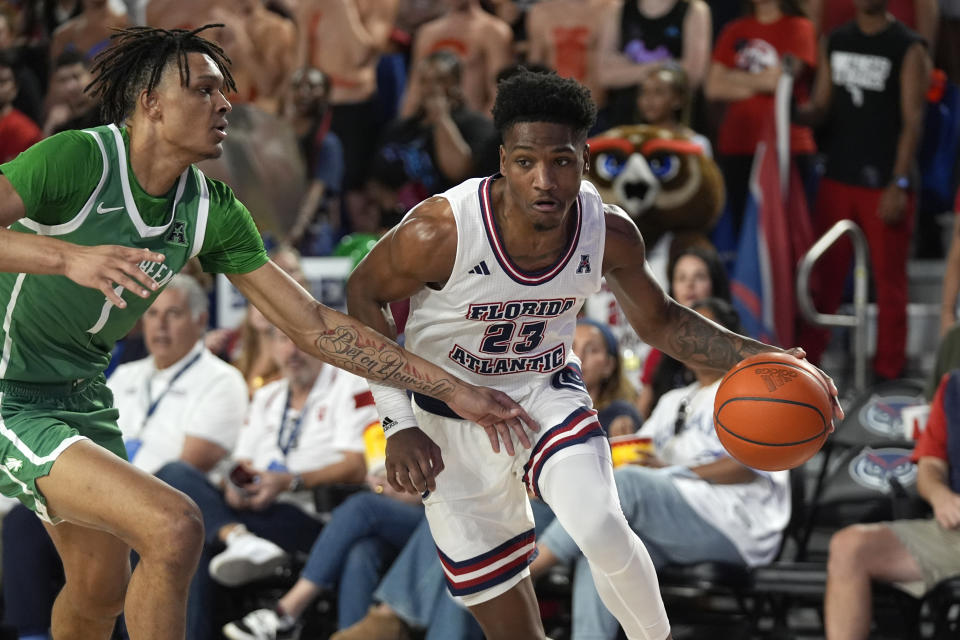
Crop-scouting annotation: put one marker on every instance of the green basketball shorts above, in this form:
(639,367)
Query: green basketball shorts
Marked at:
(39,421)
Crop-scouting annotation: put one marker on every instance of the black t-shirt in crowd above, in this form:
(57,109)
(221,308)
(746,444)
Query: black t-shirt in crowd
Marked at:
(864,123)
(644,40)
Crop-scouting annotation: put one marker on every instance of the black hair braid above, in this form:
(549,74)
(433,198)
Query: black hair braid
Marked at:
(136,60)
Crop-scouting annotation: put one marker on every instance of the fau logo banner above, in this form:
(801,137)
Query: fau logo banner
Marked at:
(776,232)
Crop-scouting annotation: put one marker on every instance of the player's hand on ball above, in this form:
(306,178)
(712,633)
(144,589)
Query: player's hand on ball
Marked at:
(413,461)
(838,414)
(105,266)
(497,413)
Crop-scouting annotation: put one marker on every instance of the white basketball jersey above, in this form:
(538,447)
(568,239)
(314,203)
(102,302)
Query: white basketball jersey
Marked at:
(492,323)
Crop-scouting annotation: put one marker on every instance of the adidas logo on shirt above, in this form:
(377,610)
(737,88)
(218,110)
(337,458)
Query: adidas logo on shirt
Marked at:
(481,269)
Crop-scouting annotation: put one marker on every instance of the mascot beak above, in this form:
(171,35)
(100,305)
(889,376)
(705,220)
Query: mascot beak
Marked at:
(636,187)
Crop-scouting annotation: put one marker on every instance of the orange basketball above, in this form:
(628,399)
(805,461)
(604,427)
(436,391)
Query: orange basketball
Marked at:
(772,412)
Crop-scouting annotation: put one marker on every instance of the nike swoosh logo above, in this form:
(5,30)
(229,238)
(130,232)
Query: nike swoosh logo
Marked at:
(101,209)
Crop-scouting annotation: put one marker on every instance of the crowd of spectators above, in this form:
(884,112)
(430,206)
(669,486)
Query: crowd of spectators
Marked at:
(389,103)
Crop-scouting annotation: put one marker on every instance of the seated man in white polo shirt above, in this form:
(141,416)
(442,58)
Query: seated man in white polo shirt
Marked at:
(179,403)
(303,431)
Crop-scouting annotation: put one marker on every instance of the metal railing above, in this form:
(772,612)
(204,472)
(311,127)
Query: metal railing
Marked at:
(858,321)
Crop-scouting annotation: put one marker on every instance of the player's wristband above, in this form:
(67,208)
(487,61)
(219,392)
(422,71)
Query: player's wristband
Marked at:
(393,406)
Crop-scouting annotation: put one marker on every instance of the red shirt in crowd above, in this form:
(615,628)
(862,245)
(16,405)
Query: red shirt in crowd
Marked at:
(17,133)
(749,45)
(933,440)
(650,366)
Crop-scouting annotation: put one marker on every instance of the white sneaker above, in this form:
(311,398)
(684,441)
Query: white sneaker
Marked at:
(246,558)
(262,624)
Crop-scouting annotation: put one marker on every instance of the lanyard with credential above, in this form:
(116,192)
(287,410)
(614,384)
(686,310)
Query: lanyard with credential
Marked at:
(153,404)
(286,445)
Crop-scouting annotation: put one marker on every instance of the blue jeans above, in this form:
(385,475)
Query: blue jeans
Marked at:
(416,589)
(361,537)
(284,524)
(669,528)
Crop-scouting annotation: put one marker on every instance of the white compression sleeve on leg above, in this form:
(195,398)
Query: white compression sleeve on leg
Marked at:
(393,406)
(621,591)
(581,491)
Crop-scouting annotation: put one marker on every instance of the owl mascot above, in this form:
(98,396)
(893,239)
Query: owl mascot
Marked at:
(670,188)
(663,180)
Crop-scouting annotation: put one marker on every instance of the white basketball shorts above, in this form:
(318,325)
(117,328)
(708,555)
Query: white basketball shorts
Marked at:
(479,515)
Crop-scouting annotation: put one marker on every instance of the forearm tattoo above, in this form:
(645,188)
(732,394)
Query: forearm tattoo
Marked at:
(693,338)
(378,360)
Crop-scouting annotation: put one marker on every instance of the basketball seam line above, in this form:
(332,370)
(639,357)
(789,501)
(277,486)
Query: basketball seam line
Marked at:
(716,419)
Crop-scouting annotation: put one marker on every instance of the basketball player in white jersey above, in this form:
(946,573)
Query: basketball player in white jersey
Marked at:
(496,270)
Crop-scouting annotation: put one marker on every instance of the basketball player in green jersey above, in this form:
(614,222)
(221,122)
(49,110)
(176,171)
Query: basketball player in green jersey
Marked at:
(92,225)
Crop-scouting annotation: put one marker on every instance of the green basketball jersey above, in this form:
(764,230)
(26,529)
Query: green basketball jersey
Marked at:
(78,187)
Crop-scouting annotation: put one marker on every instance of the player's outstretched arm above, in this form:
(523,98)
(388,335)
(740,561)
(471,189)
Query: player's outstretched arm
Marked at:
(337,338)
(99,267)
(657,318)
(347,343)
(664,323)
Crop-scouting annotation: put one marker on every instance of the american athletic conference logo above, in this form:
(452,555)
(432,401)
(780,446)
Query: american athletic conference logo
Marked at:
(873,468)
(881,414)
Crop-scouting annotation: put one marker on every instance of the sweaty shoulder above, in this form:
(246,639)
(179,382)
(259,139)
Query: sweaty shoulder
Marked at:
(56,176)
(231,242)
(623,245)
(435,213)
(427,236)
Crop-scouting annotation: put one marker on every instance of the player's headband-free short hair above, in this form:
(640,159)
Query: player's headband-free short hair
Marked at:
(527,96)
(136,60)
